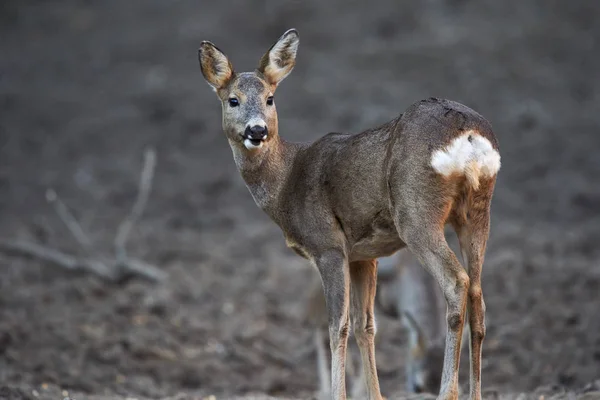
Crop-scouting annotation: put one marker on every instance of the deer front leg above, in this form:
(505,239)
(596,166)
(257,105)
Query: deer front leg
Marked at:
(333,267)
(364,281)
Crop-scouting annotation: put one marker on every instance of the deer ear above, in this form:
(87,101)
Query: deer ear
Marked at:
(279,61)
(215,66)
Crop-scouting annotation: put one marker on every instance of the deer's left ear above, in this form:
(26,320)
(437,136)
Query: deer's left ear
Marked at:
(215,66)
(279,61)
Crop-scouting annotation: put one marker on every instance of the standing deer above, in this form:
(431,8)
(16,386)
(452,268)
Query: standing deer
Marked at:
(345,200)
(407,291)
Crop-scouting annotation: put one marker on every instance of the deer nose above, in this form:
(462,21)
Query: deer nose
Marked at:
(256,132)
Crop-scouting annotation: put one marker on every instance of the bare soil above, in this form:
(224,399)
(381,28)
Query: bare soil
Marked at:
(86,86)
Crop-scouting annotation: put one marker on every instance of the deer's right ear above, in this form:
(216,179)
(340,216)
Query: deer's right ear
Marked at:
(279,61)
(215,66)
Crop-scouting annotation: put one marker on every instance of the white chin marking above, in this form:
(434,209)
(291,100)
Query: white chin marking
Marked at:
(250,146)
(465,154)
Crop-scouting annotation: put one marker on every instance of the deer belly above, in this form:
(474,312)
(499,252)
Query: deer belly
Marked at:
(379,243)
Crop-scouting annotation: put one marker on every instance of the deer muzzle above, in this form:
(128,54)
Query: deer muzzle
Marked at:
(254,136)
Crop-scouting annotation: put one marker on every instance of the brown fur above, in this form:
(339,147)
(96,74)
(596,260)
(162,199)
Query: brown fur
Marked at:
(345,200)
(216,68)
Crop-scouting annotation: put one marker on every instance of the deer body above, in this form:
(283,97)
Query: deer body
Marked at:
(345,200)
(315,194)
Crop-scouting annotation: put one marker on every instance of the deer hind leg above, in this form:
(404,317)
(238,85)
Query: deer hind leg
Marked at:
(472,227)
(426,240)
(334,270)
(363,275)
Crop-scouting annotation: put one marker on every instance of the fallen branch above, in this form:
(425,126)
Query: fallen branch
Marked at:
(115,268)
(133,266)
(112,271)
(56,257)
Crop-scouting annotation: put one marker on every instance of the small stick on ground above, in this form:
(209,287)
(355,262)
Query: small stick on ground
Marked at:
(145,186)
(69,219)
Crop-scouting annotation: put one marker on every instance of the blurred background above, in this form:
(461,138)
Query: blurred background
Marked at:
(86,87)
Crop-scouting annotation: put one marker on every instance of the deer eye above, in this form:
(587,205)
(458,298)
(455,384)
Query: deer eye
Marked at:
(270,100)
(233,102)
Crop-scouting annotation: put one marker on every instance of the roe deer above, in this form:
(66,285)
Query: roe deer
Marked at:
(345,200)
(406,290)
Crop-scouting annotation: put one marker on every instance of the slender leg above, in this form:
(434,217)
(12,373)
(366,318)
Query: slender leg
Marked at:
(473,237)
(334,270)
(432,250)
(364,280)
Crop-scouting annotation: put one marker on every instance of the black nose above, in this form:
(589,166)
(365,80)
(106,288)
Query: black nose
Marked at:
(256,132)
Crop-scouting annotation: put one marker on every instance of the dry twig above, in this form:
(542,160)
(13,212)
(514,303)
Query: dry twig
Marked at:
(69,219)
(145,186)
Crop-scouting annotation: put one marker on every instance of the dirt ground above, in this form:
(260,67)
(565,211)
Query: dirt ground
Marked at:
(86,86)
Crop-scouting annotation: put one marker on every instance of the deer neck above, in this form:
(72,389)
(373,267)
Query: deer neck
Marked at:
(266,170)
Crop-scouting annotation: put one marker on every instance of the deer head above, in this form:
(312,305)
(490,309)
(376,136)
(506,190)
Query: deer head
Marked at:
(249,113)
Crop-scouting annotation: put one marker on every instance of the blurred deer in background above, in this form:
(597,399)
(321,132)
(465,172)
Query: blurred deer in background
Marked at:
(345,200)
(405,290)
(315,315)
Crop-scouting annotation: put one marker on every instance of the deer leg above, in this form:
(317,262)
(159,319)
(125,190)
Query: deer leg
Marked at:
(334,270)
(473,235)
(432,250)
(363,275)
(476,315)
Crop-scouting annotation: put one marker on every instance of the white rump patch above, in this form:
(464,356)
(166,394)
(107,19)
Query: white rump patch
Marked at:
(469,154)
